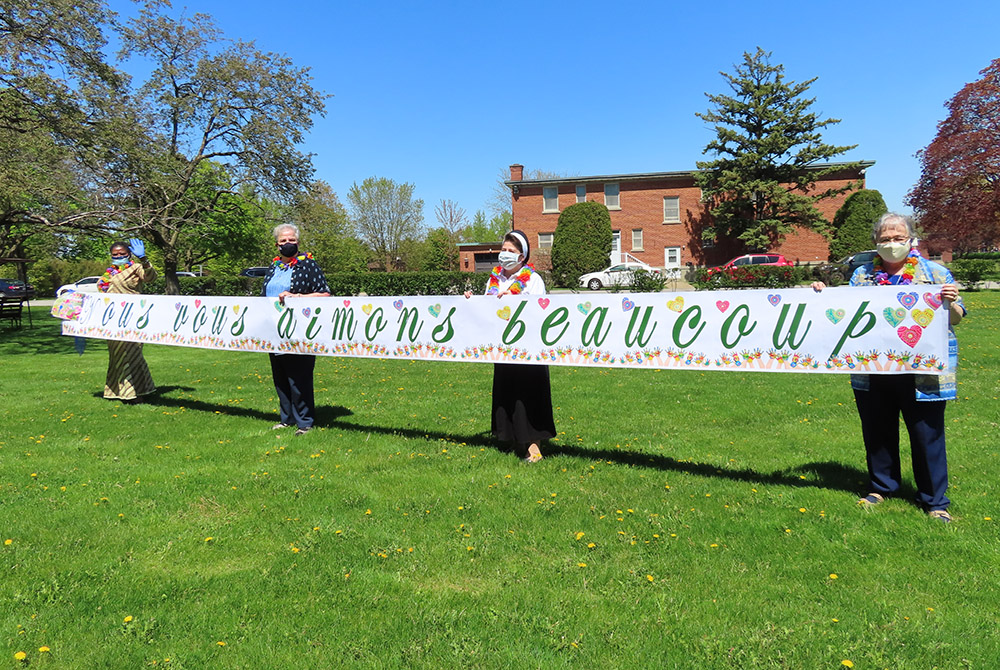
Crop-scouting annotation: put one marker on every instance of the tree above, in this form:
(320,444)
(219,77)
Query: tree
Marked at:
(769,152)
(958,194)
(450,216)
(483,230)
(384,214)
(853,223)
(326,230)
(500,199)
(232,105)
(442,250)
(581,243)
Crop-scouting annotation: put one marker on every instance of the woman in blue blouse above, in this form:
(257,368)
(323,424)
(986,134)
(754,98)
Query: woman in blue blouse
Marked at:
(919,398)
(294,275)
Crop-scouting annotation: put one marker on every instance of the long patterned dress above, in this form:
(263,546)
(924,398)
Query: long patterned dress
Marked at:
(128,374)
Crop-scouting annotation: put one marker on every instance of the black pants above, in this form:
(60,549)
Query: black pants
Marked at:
(293,380)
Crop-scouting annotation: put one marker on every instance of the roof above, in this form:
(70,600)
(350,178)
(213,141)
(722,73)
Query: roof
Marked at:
(660,176)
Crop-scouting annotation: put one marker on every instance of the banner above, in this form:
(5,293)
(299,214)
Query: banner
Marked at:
(847,329)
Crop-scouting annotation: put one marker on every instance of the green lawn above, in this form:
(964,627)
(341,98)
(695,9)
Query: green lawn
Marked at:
(681,519)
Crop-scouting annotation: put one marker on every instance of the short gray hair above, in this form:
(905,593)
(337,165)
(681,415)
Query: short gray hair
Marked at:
(911,232)
(285,226)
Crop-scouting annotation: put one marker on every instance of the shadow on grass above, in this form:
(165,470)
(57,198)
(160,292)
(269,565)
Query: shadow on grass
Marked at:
(44,336)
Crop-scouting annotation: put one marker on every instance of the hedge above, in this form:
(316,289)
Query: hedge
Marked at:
(341,283)
(749,276)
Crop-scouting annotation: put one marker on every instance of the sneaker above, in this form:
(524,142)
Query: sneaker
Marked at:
(940,514)
(278,426)
(303,431)
(871,500)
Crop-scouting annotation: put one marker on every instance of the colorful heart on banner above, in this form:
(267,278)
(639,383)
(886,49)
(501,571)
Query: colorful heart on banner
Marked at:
(215,310)
(676,305)
(933,300)
(504,313)
(197,304)
(835,315)
(306,312)
(923,316)
(124,302)
(543,303)
(278,306)
(367,309)
(177,305)
(907,300)
(347,303)
(142,303)
(435,310)
(723,305)
(627,304)
(398,304)
(107,300)
(910,336)
(774,299)
(236,309)
(894,316)
(584,307)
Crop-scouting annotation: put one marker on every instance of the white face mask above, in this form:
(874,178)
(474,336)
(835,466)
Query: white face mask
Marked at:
(893,252)
(509,260)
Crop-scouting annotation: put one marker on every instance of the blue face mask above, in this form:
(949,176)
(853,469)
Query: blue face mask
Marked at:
(119,261)
(509,260)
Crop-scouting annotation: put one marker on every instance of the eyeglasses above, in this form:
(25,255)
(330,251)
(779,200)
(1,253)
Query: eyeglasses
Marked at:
(119,256)
(896,240)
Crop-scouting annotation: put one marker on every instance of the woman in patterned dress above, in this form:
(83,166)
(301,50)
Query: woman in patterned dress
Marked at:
(128,375)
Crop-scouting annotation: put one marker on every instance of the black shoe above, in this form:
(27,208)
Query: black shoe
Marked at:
(303,431)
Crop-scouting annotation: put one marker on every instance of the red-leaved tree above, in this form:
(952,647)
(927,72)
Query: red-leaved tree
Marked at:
(958,195)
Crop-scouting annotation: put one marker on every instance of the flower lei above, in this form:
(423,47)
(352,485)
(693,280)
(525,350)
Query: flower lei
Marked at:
(909,269)
(520,280)
(104,283)
(281,265)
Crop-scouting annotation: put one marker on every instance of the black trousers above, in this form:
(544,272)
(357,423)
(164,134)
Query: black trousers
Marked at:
(293,380)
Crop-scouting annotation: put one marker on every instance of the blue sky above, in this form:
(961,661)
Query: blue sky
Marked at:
(445,94)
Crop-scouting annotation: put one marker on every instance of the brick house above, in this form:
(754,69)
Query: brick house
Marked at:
(656,217)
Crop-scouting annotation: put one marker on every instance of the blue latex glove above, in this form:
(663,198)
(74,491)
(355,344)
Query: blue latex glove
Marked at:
(137,247)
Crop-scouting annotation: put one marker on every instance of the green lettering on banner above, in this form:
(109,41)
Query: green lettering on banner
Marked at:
(849,333)
(312,330)
(557,318)
(144,318)
(375,318)
(219,320)
(109,314)
(343,322)
(694,314)
(239,324)
(789,339)
(405,315)
(595,338)
(641,337)
(515,327)
(444,331)
(200,319)
(741,329)
(181,317)
(124,316)
(287,323)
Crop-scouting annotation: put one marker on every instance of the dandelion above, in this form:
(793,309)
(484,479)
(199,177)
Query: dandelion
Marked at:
(209,538)
(128,619)
(802,509)
(649,578)
(591,545)
(581,565)
(579,535)
(8,542)
(221,643)
(833,575)
(20,656)
(846,663)
(43,649)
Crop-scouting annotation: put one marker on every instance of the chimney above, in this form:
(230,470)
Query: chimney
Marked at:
(516,172)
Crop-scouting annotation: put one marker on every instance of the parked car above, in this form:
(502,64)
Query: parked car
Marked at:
(184,273)
(254,272)
(15,288)
(751,259)
(619,274)
(843,269)
(85,285)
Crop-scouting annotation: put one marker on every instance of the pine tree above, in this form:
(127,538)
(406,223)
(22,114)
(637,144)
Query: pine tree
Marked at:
(854,221)
(769,156)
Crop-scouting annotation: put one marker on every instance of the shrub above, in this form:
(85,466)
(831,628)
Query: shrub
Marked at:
(581,242)
(644,281)
(853,223)
(49,274)
(972,272)
(341,283)
(746,276)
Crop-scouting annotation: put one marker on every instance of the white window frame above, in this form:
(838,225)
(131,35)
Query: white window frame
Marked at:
(667,263)
(616,247)
(677,202)
(545,199)
(617,198)
(545,240)
(581,193)
(637,247)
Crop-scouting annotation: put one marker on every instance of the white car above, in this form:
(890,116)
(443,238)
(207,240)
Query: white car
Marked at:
(85,285)
(619,274)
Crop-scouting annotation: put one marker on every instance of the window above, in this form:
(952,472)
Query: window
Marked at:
(544,240)
(671,209)
(637,239)
(550,199)
(581,193)
(611,200)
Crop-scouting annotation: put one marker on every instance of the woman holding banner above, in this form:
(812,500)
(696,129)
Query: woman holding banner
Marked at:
(522,396)
(919,398)
(293,275)
(128,377)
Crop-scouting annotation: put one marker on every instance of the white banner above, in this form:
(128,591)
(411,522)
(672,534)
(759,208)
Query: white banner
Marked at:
(872,329)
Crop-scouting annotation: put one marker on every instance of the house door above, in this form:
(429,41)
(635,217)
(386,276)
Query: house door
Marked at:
(671,257)
(616,247)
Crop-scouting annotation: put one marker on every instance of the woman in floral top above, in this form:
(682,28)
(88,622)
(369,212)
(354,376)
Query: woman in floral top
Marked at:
(919,398)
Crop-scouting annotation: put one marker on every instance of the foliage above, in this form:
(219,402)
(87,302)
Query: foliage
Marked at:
(327,231)
(642,281)
(442,251)
(958,194)
(385,214)
(407,283)
(483,230)
(50,273)
(769,156)
(581,242)
(747,276)
(853,223)
(972,272)
(994,255)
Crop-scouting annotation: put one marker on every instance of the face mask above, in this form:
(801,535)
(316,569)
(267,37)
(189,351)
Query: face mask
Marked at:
(119,261)
(893,252)
(289,249)
(509,260)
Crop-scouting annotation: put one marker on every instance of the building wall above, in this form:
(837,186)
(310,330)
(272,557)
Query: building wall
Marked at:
(641,207)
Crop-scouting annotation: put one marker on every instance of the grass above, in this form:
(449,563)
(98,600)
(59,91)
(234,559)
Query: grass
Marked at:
(681,519)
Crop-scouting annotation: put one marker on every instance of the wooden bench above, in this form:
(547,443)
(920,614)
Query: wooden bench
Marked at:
(10,310)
